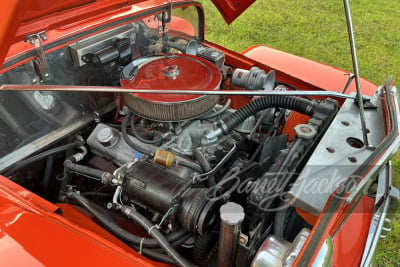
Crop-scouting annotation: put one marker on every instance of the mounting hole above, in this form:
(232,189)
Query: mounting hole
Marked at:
(352,159)
(330,149)
(355,142)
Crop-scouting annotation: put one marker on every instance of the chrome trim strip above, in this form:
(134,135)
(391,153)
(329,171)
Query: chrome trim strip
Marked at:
(324,257)
(389,193)
(380,218)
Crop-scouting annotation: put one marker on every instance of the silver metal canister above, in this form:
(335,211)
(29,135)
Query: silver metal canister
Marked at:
(232,216)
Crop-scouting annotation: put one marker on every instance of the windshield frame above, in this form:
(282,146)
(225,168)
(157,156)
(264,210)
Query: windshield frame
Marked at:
(52,45)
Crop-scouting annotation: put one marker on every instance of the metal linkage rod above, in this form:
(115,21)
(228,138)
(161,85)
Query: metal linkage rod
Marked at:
(356,71)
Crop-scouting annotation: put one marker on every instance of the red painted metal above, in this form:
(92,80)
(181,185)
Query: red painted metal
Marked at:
(360,217)
(78,216)
(305,71)
(308,217)
(60,26)
(32,234)
(31,231)
(231,9)
(38,15)
(10,17)
(342,227)
(349,242)
(17,194)
(192,73)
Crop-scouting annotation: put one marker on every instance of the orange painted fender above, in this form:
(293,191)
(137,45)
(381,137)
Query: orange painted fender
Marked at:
(307,71)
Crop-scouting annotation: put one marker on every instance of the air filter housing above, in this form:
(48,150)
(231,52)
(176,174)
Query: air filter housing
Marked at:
(170,72)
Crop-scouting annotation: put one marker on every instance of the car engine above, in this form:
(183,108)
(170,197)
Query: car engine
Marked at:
(205,170)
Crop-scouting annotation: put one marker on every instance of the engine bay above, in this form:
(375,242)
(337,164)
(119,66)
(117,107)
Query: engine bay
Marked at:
(184,166)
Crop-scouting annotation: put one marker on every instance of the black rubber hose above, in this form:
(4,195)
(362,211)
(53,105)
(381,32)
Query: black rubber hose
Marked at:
(67,177)
(188,164)
(202,247)
(114,228)
(70,165)
(124,132)
(298,104)
(205,165)
(43,155)
(181,240)
(157,235)
(156,255)
(144,140)
(280,221)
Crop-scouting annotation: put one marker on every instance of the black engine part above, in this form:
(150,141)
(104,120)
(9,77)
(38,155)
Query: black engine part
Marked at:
(156,188)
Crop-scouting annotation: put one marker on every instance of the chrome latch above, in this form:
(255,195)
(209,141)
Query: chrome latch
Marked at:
(39,63)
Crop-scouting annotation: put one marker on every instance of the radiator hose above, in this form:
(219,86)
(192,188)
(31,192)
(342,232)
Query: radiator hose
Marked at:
(298,104)
(202,247)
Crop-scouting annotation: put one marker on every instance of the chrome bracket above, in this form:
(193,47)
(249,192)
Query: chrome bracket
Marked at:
(39,62)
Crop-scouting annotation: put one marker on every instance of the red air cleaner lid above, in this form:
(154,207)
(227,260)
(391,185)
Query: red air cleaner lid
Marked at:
(171,72)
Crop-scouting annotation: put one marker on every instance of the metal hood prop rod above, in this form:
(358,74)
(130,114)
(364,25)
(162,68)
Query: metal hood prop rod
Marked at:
(356,72)
(105,89)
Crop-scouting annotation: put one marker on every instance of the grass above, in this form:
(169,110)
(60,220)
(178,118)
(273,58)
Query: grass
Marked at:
(317,30)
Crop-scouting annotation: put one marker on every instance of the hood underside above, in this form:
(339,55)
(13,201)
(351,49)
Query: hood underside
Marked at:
(231,9)
(18,18)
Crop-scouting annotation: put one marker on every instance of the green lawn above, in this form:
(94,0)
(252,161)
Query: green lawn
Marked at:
(317,30)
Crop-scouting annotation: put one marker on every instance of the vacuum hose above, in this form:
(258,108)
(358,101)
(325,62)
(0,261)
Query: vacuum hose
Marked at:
(71,166)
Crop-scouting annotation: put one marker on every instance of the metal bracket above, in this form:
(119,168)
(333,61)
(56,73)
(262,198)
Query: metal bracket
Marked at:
(349,80)
(39,63)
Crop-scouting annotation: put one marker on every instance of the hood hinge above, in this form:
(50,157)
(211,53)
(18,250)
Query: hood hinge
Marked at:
(39,63)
